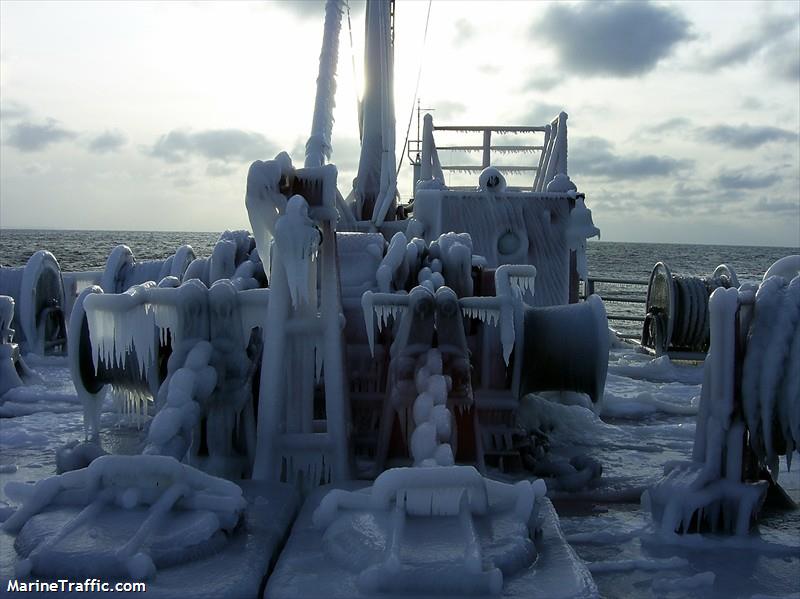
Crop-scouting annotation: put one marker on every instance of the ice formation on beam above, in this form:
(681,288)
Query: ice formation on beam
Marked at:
(172,512)
(120,324)
(739,435)
(379,308)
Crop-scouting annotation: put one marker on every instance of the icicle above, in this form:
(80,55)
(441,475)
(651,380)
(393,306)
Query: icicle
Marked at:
(367,308)
(318,358)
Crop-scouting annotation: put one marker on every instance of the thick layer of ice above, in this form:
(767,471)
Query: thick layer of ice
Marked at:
(350,553)
(769,377)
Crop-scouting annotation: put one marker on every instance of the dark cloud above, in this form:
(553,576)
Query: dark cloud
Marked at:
(742,180)
(30,137)
(595,157)
(744,137)
(622,39)
(774,40)
(783,59)
(108,141)
(224,145)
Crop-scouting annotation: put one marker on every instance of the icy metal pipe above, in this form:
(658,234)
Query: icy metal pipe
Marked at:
(318,146)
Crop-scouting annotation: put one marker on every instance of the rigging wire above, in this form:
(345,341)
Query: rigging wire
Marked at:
(355,76)
(416,90)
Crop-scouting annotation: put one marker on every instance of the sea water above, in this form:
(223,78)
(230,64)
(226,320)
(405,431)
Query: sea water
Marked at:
(88,250)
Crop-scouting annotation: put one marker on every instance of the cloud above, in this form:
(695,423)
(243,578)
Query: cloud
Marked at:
(542,83)
(541,113)
(781,206)
(465,31)
(346,153)
(313,9)
(621,39)
(224,145)
(30,137)
(106,142)
(11,110)
(447,109)
(752,103)
(674,124)
(744,136)
(219,169)
(783,59)
(304,9)
(180,177)
(739,180)
(594,157)
(774,40)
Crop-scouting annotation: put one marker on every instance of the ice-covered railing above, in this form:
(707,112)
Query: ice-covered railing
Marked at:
(424,153)
(749,409)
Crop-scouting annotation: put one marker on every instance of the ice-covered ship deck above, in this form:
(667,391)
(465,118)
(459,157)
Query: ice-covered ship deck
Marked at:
(647,420)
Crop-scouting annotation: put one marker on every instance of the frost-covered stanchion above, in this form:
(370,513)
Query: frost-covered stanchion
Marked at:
(748,409)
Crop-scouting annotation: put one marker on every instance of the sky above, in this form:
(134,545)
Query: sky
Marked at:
(684,117)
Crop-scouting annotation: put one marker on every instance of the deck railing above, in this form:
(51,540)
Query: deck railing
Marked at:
(625,302)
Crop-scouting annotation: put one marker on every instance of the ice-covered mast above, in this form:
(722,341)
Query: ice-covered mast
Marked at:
(318,146)
(376,185)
